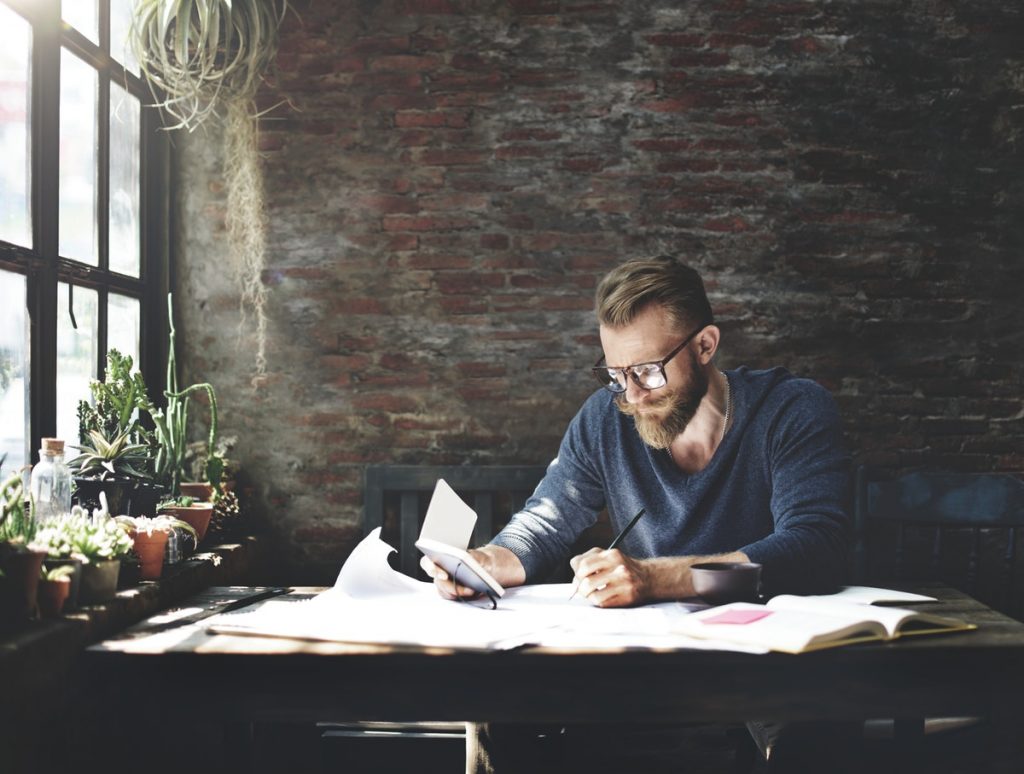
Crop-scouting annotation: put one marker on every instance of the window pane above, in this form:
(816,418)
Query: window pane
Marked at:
(15,218)
(76,357)
(83,16)
(78,89)
(14,407)
(120,25)
(123,316)
(124,181)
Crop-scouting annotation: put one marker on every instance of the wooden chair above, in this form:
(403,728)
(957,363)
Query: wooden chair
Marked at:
(964,529)
(395,498)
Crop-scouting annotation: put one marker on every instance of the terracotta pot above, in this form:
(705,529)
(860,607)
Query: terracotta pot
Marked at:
(200,490)
(149,547)
(52,595)
(19,585)
(76,578)
(99,581)
(197,515)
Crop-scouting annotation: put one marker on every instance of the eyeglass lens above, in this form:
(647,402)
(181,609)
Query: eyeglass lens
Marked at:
(650,376)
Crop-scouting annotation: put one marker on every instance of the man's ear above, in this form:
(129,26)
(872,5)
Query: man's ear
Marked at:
(707,343)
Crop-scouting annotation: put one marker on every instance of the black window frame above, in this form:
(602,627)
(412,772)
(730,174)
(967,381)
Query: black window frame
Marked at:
(41,264)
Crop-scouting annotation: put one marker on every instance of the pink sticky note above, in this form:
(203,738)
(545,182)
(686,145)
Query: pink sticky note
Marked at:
(737,617)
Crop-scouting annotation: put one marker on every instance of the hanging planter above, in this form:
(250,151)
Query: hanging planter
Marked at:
(206,59)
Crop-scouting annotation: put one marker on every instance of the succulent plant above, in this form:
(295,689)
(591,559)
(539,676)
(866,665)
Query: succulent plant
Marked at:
(111,459)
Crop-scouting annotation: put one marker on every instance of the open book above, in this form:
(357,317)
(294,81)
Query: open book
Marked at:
(793,624)
(444,538)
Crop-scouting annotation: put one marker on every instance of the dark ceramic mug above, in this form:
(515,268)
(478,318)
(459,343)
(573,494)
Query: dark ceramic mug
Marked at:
(720,582)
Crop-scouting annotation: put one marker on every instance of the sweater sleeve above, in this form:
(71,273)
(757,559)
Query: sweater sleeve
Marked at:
(810,497)
(567,501)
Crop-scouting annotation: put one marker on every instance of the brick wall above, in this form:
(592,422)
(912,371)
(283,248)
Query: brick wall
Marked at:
(450,177)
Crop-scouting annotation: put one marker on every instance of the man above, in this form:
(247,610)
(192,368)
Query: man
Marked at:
(738,466)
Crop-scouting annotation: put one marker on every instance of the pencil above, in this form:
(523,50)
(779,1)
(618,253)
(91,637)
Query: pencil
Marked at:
(616,541)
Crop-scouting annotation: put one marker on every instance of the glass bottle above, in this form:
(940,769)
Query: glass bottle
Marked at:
(51,483)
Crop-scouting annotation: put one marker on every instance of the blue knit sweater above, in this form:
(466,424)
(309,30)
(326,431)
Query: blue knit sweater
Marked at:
(777,488)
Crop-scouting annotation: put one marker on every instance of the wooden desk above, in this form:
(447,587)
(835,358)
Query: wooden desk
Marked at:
(246,679)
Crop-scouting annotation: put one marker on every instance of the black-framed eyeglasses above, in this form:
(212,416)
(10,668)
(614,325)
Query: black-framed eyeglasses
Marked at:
(647,376)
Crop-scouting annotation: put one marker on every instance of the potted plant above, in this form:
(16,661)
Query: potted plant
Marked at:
(20,559)
(117,403)
(56,539)
(114,466)
(207,59)
(54,589)
(171,426)
(194,513)
(150,536)
(102,545)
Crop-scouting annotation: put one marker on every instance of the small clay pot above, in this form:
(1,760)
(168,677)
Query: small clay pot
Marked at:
(198,516)
(52,594)
(149,547)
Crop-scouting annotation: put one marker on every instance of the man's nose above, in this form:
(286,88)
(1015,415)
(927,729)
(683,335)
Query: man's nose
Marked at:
(634,392)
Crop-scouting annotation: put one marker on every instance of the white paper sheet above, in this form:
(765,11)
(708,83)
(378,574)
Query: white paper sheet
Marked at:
(372,603)
(449,520)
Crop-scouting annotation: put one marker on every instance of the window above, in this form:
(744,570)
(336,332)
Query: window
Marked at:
(83,213)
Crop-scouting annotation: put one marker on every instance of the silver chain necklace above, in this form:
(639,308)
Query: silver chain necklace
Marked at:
(728,406)
(725,424)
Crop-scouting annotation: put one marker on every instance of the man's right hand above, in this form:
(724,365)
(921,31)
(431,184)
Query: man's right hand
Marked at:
(502,564)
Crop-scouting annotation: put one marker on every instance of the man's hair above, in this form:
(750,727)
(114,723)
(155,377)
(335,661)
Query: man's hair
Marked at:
(628,289)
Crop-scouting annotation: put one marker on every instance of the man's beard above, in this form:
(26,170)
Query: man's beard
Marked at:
(661,421)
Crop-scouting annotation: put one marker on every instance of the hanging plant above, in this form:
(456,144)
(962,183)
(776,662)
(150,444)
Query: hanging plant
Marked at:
(206,59)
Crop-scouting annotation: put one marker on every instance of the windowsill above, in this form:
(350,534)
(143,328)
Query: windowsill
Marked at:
(48,647)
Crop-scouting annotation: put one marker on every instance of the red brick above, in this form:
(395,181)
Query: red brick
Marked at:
(664,144)
(534,135)
(584,164)
(385,203)
(407,223)
(418,7)
(351,305)
(476,370)
(494,241)
(382,81)
(522,152)
(462,283)
(438,261)
(385,402)
(454,202)
(412,118)
(376,46)
(534,6)
(676,40)
(405,62)
(450,158)
(460,305)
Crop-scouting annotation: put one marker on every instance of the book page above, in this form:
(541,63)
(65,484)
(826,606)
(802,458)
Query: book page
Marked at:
(888,617)
(891,618)
(870,595)
(791,630)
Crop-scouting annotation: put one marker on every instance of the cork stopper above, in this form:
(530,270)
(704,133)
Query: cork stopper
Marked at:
(53,445)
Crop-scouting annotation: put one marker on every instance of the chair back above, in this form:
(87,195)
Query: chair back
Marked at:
(395,498)
(964,529)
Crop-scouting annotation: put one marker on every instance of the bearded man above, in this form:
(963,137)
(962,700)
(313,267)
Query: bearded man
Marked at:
(743,465)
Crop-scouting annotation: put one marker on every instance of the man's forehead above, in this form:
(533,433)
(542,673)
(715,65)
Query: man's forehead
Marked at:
(637,343)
